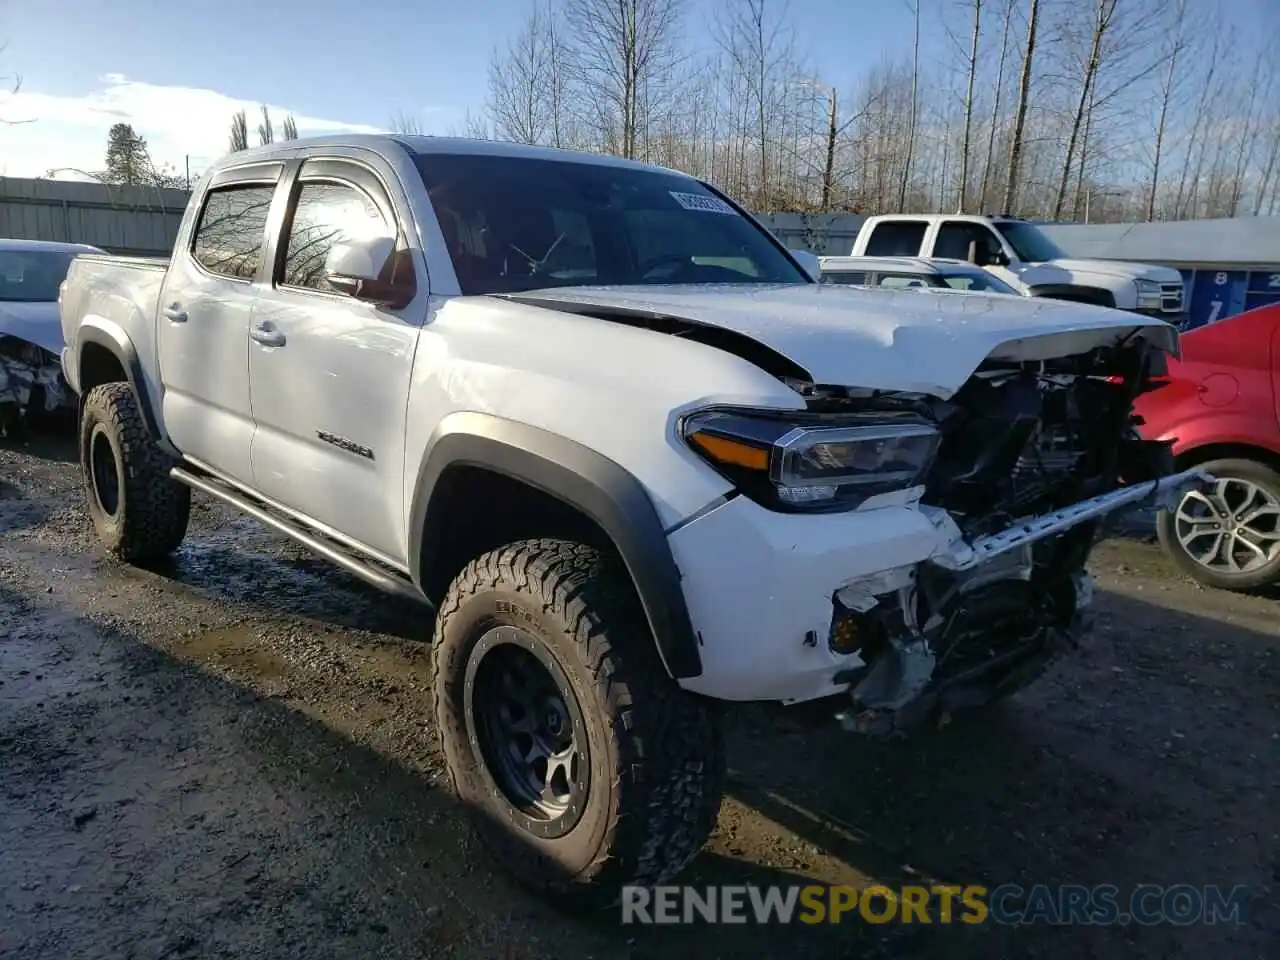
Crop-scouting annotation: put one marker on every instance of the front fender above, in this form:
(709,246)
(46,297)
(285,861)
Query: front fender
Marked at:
(596,486)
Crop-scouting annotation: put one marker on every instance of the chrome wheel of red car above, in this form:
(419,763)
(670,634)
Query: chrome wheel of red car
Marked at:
(1229,536)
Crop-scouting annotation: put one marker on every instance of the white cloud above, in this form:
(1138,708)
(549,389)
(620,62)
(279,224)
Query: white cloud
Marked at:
(177,123)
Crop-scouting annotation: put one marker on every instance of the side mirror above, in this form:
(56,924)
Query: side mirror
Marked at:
(810,262)
(997,258)
(354,264)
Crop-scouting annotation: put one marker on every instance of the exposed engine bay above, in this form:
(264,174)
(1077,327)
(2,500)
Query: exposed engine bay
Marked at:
(1033,459)
(31,386)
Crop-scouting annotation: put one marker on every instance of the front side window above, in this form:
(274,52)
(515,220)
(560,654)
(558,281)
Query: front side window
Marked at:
(326,213)
(32,276)
(519,223)
(229,236)
(956,236)
(1029,243)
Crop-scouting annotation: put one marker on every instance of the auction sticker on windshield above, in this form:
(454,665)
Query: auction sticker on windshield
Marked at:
(698,201)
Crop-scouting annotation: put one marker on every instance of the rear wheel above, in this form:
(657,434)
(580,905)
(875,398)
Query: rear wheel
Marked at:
(1228,537)
(585,767)
(139,512)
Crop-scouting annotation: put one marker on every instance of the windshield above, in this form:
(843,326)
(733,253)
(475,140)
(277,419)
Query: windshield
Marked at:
(32,276)
(518,223)
(977,280)
(1028,243)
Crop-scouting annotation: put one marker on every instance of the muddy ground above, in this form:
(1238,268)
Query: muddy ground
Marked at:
(231,757)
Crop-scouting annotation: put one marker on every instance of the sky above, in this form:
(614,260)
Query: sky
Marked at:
(178,71)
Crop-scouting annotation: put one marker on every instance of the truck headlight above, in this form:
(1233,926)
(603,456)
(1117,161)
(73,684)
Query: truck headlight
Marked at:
(1149,294)
(816,466)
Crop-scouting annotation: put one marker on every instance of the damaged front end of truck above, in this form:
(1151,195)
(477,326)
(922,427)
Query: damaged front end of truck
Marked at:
(1033,461)
(32,388)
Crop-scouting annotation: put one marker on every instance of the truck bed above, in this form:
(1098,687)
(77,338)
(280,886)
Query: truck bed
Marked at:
(150,263)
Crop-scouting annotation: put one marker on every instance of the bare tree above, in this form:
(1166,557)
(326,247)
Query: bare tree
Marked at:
(405,123)
(520,79)
(915,107)
(1175,45)
(239,132)
(968,106)
(290,128)
(761,58)
(996,102)
(1104,12)
(266,134)
(620,49)
(1020,113)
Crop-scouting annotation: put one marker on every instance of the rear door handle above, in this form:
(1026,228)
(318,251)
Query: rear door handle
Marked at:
(175,313)
(267,335)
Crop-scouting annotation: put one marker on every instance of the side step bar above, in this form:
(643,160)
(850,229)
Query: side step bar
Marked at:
(347,560)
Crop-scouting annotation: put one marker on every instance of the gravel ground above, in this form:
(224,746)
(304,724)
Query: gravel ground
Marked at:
(231,757)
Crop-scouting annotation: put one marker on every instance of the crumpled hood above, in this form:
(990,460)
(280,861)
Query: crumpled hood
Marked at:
(36,323)
(919,340)
(1118,269)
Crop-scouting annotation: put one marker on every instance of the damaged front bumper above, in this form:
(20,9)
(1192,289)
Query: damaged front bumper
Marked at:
(31,381)
(773,596)
(996,602)
(1163,492)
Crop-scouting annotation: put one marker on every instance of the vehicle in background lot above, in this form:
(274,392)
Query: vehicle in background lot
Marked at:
(635,456)
(1221,405)
(1021,255)
(31,382)
(903,272)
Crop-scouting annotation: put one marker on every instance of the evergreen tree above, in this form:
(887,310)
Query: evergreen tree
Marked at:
(127,157)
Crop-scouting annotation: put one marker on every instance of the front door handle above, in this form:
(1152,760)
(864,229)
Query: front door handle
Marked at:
(267,335)
(175,313)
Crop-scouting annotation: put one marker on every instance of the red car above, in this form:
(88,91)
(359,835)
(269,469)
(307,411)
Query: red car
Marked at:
(1222,404)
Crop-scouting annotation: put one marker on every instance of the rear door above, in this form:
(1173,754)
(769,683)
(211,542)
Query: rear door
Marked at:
(203,328)
(330,373)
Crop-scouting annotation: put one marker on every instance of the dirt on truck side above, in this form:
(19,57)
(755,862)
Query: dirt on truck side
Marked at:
(229,756)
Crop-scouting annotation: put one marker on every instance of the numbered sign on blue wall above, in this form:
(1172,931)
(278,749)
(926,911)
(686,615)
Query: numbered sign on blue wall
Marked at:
(1216,295)
(1264,290)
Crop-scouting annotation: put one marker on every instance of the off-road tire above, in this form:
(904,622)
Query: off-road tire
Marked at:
(657,760)
(1265,576)
(152,509)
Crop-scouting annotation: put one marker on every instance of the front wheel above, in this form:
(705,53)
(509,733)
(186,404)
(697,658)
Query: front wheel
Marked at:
(585,767)
(139,512)
(1229,537)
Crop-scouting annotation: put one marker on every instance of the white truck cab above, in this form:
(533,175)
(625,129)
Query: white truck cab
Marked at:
(1019,253)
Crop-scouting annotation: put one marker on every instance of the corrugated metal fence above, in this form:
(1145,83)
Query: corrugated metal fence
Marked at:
(138,221)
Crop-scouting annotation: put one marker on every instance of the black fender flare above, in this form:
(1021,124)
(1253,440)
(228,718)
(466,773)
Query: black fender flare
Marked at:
(599,488)
(117,343)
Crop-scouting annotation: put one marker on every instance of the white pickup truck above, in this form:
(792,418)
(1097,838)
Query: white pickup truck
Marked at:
(1023,256)
(637,459)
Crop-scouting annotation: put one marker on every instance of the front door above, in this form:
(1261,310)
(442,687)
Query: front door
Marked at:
(206,303)
(329,374)
(958,239)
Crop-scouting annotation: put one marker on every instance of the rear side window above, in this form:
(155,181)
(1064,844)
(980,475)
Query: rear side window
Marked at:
(896,238)
(230,235)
